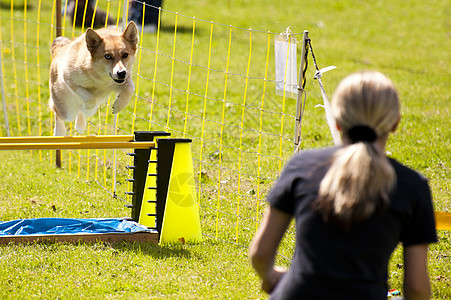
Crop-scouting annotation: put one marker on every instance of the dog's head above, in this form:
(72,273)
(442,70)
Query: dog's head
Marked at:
(113,50)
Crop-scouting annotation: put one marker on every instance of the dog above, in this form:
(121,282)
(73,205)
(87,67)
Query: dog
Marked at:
(76,11)
(84,71)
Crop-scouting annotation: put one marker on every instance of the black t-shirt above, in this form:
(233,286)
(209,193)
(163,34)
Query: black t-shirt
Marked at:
(332,263)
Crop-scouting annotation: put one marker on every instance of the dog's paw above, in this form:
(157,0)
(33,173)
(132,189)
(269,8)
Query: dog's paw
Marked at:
(115,110)
(118,106)
(59,131)
(90,103)
(80,123)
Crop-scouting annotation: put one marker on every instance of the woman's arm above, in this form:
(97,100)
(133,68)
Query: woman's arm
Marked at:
(262,251)
(416,279)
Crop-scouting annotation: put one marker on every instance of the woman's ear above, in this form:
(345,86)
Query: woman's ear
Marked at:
(338,126)
(396,124)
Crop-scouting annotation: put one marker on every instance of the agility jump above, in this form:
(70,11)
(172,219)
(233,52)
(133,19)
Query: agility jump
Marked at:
(163,194)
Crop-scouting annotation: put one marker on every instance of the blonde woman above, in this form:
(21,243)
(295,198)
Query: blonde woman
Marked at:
(352,205)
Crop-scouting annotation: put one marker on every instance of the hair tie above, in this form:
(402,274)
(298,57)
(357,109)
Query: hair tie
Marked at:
(362,133)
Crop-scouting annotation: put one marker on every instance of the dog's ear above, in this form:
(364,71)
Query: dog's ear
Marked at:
(131,34)
(93,40)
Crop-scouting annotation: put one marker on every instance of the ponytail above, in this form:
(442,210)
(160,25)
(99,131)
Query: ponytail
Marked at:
(357,183)
(360,178)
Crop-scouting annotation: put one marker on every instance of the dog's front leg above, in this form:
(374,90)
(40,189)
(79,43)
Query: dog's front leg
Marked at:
(88,99)
(88,104)
(124,96)
(80,122)
(60,129)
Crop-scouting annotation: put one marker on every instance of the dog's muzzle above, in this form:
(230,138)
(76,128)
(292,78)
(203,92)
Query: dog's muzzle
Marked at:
(120,77)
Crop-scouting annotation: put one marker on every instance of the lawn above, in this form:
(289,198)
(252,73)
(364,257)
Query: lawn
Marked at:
(216,87)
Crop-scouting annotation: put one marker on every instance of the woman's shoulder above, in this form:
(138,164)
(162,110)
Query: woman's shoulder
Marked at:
(314,156)
(307,161)
(411,186)
(320,153)
(405,173)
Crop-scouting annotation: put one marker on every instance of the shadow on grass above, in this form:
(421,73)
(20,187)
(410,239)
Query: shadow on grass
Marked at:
(151,249)
(4,5)
(155,250)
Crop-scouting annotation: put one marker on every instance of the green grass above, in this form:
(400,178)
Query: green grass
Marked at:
(135,271)
(407,41)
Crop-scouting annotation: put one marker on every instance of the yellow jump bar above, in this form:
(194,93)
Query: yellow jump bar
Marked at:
(73,142)
(67,139)
(77,145)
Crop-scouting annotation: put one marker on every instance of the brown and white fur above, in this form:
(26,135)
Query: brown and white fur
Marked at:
(86,70)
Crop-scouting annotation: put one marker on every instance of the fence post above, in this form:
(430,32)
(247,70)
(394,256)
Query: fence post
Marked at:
(301,92)
(58,18)
(58,161)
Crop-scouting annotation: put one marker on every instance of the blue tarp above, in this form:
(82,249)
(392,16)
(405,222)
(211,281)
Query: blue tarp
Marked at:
(69,226)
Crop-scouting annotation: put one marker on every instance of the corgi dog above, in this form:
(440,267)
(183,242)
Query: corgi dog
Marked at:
(86,70)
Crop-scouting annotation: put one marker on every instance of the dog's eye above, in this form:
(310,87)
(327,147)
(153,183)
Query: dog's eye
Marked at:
(125,55)
(107,56)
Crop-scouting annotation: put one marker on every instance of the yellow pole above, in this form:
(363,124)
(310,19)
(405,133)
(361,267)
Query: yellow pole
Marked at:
(241,135)
(259,158)
(78,150)
(139,70)
(75,17)
(13,46)
(155,68)
(39,74)
(205,107)
(2,79)
(125,15)
(59,32)
(97,151)
(84,16)
(107,14)
(172,72)
(94,14)
(137,90)
(61,28)
(27,91)
(222,128)
(189,76)
(88,158)
(118,14)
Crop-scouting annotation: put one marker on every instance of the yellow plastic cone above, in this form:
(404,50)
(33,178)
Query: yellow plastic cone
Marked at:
(149,195)
(181,220)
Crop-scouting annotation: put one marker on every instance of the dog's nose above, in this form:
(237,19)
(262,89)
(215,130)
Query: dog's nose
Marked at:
(121,74)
